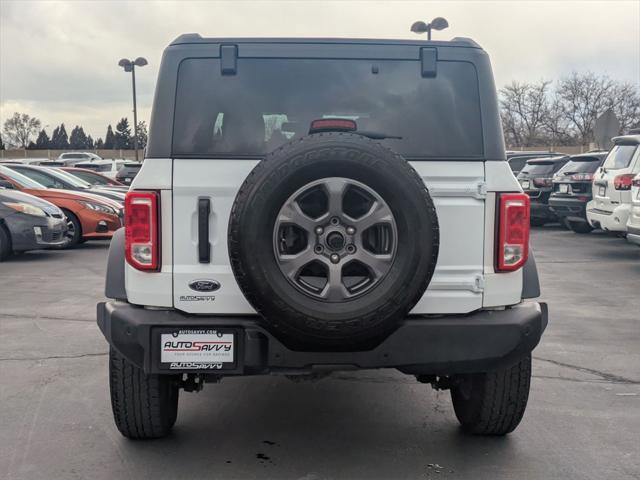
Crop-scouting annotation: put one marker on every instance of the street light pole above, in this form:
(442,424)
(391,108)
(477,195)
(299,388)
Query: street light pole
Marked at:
(437,23)
(135,110)
(130,66)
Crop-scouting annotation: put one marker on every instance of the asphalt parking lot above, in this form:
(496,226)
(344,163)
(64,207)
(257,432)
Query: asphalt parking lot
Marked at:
(582,421)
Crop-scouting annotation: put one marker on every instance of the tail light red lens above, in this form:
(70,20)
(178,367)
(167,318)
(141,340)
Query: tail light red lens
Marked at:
(623,182)
(513,231)
(141,230)
(542,182)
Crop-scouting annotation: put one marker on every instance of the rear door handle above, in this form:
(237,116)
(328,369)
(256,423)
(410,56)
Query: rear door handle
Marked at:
(204,247)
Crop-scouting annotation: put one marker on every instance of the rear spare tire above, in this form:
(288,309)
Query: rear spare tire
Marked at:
(333,238)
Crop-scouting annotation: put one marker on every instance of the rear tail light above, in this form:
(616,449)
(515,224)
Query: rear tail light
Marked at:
(582,177)
(141,230)
(513,231)
(542,182)
(623,182)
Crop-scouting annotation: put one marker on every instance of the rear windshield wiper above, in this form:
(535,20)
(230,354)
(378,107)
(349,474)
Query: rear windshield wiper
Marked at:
(377,135)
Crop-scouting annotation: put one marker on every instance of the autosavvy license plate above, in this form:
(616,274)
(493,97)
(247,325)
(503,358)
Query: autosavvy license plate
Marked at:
(564,188)
(602,191)
(127,180)
(197,349)
(525,184)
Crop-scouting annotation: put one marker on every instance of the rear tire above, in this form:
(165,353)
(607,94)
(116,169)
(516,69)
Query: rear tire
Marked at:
(5,244)
(493,403)
(580,227)
(144,406)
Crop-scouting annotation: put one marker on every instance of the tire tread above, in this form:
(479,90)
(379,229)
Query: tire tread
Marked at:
(143,405)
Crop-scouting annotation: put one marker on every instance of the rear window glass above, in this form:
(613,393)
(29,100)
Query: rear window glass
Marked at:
(619,157)
(96,167)
(581,166)
(73,155)
(517,163)
(269,101)
(89,177)
(538,168)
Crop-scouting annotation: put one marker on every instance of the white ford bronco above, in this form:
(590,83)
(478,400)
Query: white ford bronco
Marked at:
(308,206)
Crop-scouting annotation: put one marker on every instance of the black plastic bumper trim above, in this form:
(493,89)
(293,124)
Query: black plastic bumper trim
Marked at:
(445,345)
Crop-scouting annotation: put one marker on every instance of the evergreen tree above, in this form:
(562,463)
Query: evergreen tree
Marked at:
(142,134)
(32,146)
(59,138)
(78,139)
(43,142)
(1,143)
(99,144)
(109,139)
(90,143)
(123,134)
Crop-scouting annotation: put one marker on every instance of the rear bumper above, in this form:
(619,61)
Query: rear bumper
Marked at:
(540,205)
(570,208)
(613,221)
(446,345)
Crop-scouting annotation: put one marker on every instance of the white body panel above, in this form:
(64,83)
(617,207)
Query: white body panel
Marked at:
(464,278)
(634,215)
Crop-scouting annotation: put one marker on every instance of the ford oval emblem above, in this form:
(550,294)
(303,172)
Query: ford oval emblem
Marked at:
(204,285)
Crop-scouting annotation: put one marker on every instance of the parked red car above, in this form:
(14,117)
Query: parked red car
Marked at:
(89,217)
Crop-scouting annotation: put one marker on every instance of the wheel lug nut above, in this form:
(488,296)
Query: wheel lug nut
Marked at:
(335,221)
(319,230)
(351,230)
(335,258)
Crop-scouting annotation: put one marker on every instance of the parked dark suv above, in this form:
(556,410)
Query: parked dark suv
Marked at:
(536,179)
(517,160)
(128,172)
(572,190)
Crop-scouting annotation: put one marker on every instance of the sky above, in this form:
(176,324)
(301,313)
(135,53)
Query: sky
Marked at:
(58,60)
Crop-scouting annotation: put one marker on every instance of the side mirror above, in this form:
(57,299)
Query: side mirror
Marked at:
(6,184)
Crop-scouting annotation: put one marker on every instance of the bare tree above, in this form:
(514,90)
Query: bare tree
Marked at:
(557,129)
(583,98)
(19,129)
(523,111)
(624,99)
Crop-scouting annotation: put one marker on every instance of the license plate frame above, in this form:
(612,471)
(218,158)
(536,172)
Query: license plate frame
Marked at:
(196,348)
(602,191)
(563,188)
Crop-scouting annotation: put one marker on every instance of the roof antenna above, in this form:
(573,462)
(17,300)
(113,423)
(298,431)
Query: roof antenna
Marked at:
(437,23)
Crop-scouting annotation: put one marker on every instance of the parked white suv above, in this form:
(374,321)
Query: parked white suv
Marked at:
(633,225)
(108,168)
(611,204)
(69,159)
(307,206)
